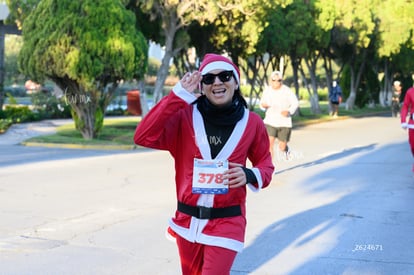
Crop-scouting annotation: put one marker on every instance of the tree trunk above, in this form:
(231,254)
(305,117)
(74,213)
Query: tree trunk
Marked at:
(327,64)
(305,81)
(170,31)
(387,87)
(355,80)
(295,68)
(162,75)
(87,114)
(350,102)
(315,108)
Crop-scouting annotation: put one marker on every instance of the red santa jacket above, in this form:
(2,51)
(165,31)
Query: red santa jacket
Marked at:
(407,109)
(177,126)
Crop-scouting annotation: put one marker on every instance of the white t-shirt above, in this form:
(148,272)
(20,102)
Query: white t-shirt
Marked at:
(279,100)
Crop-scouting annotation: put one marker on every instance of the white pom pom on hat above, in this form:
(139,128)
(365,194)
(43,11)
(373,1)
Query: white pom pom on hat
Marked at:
(213,61)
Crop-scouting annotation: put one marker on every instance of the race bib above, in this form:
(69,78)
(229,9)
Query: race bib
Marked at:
(208,176)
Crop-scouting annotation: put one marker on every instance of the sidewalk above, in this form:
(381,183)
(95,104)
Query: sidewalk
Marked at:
(17,133)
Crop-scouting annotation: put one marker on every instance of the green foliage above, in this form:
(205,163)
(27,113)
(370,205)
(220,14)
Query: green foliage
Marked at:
(368,90)
(243,29)
(12,46)
(304,94)
(12,100)
(344,82)
(19,10)
(86,47)
(114,132)
(396,26)
(69,39)
(18,114)
(79,123)
(5,124)
(48,106)
(99,120)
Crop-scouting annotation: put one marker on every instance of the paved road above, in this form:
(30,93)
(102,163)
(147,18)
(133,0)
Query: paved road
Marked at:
(342,205)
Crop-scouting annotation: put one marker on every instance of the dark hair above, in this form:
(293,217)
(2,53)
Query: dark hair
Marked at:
(237,94)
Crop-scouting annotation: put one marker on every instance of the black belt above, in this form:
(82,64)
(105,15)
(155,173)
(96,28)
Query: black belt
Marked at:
(208,213)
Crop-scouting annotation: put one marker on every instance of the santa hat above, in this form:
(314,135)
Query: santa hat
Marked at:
(213,61)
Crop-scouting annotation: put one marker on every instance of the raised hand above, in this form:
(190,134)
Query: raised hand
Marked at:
(191,81)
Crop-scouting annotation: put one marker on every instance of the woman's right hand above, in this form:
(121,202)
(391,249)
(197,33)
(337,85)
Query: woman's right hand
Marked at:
(191,81)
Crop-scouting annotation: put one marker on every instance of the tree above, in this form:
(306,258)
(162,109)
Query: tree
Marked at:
(174,15)
(9,26)
(19,10)
(70,43)
(13,44)
(235,32)
(396,41)
(357,27)
(270,48)
(305,39)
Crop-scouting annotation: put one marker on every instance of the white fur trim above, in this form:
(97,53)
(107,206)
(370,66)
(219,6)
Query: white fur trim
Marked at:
(194,234)
(183,93)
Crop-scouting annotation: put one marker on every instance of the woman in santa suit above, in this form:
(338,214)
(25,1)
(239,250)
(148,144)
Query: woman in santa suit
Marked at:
(210,137)
(407,110)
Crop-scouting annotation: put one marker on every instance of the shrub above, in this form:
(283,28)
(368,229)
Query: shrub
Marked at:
(48,106)
(18,114)
(5,124)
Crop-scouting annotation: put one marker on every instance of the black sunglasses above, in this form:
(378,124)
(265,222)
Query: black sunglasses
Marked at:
(278,80)
(224,76)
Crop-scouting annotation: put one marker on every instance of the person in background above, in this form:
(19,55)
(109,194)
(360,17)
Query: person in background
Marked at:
(210,137)
(280,104)
(396,99)
(407,117)
(335,98)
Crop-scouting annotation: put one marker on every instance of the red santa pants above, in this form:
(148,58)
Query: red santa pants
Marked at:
(411,140)
(197,259)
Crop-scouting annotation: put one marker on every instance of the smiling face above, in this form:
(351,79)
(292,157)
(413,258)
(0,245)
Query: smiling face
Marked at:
(220,93)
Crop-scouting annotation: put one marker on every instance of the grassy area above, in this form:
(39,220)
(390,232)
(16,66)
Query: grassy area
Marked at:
(120,131)
(306,114)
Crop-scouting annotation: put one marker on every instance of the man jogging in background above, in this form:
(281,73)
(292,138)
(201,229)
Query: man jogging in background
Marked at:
(280,104)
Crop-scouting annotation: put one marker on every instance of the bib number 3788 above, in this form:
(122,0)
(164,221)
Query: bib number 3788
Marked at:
(208,176)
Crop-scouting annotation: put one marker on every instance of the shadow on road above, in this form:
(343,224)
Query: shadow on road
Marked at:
(336,156)
(375,205)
